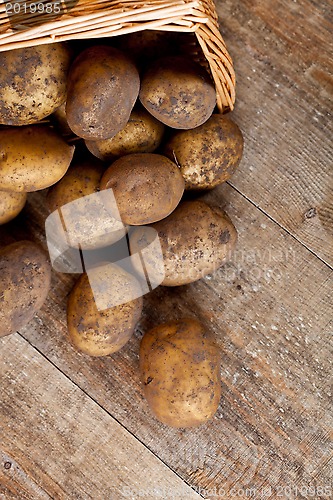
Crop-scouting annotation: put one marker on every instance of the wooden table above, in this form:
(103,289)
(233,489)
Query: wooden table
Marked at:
(74,427)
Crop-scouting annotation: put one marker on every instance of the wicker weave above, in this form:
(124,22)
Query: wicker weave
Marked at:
(81,19)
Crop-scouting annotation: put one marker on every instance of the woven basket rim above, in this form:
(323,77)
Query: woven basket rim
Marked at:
(84,19)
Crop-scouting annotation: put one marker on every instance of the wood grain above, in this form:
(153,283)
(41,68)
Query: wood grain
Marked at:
(58,443)
(282,51)
(270,309)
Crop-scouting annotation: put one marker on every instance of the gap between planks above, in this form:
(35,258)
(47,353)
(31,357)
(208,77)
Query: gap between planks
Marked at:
(281,228)
(215,313)
(104,410)
(279,225)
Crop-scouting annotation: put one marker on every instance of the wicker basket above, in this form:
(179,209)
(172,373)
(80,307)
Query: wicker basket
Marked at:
(81,19)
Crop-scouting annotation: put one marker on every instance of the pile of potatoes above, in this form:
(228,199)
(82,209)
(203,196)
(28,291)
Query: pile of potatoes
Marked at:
(120,120)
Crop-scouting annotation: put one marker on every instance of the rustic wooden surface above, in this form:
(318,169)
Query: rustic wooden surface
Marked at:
(282,51)
(74,427)
(74,445)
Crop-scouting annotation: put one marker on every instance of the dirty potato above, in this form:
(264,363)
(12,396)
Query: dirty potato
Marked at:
(59,120)
(178,93)
(103,86)
(33,82)
(25,276)
(147,45)
(89,223)
(195,239)
(32,158)
(103,310)
(147,187)
(11,205)
(207,155)
(142,134)
(81,179)
(180,372)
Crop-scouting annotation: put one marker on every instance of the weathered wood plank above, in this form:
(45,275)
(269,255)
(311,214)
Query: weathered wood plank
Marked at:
(271,311)
(55,442)
(282,50)
(270,308)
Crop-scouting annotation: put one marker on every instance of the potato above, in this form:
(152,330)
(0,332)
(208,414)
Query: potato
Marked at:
(147,45)
(101,322)
(59,120)
(32,158)
(147,187)
(81,179)
(88,222)
(25,276)
(33,82)
(178,93)
(142,134)
(180,372)
(207,155)
(103,86)
(11,205)
(196,239)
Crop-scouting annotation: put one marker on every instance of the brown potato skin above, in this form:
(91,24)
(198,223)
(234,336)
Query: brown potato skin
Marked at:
(91,226)
(196,239)
(40,76)
(147,187)
(25,277)
(103,86)
(207,155)
(81,179)
(147,45)
(142,134)
(59,120)
(178,93)
(180,372)
(32,158)
(11,205)
(100,333)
